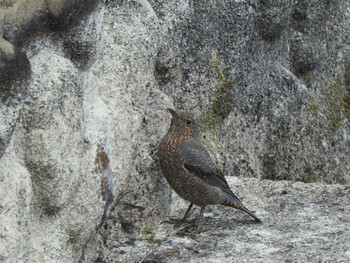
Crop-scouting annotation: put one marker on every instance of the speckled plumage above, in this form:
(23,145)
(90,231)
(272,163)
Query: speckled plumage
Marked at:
(190,170)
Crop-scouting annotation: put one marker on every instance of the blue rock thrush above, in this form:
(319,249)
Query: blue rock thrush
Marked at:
(190,170)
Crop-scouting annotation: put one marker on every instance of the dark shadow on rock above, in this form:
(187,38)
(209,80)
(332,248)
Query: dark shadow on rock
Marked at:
(71,14)
(14,70)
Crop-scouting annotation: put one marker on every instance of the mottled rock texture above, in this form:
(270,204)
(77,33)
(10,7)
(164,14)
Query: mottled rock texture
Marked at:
(83,91)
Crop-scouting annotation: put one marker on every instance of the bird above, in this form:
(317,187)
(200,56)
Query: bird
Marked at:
(190,170)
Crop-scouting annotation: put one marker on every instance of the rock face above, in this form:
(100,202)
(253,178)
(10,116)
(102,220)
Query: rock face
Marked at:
(83,88)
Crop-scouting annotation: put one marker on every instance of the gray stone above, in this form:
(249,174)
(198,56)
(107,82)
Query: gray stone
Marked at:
(14,72)
(83,92)
(301,222)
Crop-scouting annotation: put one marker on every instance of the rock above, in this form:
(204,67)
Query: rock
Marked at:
(21,21)
(14,71)
(83,92)
(274,19)
(14,78)
(303,222)
(65,14)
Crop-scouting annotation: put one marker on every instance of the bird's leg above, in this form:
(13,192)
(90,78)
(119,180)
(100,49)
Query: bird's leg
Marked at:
(200,218)
(187,212)
(183,220)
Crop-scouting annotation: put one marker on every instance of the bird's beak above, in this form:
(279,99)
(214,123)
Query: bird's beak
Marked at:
(174,113)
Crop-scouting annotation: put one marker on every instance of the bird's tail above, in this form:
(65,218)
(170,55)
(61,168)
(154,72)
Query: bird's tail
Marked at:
(233,201)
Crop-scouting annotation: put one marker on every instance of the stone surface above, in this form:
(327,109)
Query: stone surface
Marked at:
(83,88)
(14,72)
(301,222)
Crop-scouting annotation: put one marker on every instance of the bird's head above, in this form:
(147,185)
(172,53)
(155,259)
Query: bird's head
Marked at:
(183,123)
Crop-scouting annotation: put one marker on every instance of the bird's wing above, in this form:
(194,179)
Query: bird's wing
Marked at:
(198,161)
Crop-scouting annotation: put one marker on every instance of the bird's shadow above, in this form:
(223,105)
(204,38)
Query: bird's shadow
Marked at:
(190,227)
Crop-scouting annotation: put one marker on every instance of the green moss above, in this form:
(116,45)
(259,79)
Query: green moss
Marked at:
(313,105)
(307,79)
(211,121)
(334,120)
(308,176)
(337,103)
(153,240)
(223,101)
(223,81)
(346,106)
(147,230)
(148,233)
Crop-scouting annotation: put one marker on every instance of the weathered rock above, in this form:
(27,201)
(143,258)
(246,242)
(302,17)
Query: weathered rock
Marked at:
(14,72)
(65,14)
(301,222)
(74,139)
(83,88)
(20,21)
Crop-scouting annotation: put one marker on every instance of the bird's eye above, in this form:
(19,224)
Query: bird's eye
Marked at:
(188,122)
